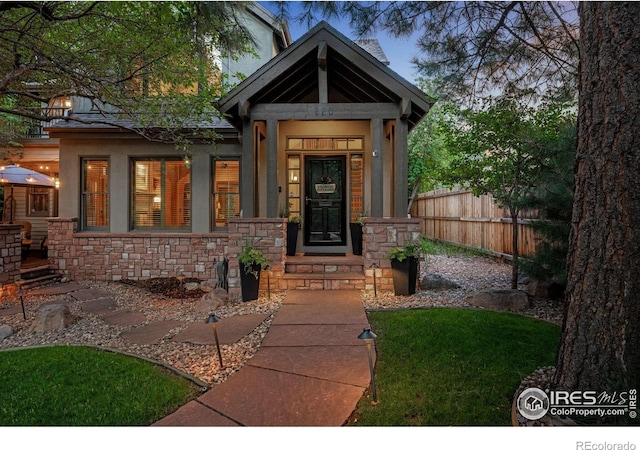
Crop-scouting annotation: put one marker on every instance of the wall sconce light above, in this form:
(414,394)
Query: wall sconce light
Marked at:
(369,336)
(375,153)
(213,320)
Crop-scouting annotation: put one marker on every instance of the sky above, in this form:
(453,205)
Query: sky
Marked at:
(399,51)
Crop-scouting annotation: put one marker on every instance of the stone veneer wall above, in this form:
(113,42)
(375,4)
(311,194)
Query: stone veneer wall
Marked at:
(266,234)
(102,256)
(379,235)
(10,253)
(138,255)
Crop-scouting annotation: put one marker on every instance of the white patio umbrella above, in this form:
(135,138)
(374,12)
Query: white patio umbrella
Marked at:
(18,176)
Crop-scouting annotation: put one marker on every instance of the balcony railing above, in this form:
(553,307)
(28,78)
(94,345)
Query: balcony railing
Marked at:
(34,129)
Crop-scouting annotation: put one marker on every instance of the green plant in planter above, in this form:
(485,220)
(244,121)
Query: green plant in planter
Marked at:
(408,250)
(404,267)
(283,213)
(251,257)
(361,216)
(295,219)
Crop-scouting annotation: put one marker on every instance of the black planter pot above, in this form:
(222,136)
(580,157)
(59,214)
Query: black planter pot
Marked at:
(356,238)
(249,284)
(405,274)
(292,238)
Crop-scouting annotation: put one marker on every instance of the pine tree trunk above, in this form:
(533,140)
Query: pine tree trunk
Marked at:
(600,345)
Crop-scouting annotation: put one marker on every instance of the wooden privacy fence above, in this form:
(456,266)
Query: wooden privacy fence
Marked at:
(461,218)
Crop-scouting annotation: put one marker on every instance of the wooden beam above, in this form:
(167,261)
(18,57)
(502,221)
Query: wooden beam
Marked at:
(405,108)
(323,83)
(322,54)
(401,194)
(377,174)
(317,111)
(247,170)
(243,109)
(272,168)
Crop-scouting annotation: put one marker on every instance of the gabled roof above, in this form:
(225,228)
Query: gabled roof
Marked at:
(353,76)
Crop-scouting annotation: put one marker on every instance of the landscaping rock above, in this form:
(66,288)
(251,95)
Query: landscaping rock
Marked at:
(212,301)
(432,282)
(548,289)
(5,331)
(500,299)
(51,317)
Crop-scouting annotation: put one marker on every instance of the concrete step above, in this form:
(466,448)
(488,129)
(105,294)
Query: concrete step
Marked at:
(324,264)
(37,277)
(324,281)
(35,272)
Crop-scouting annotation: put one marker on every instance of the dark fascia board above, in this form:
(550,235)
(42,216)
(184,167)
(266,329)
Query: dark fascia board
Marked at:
(288,58)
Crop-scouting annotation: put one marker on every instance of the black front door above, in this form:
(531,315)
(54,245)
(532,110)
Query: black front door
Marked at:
(325,222)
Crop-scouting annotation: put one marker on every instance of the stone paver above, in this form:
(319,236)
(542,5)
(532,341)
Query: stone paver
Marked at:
(230,330)
(312,335)
(56,289)
(124,317)
(150,334)
(89,294)
(17,309)
(345,364)
(262,397)
(195,414)
(329,312)
(99,306)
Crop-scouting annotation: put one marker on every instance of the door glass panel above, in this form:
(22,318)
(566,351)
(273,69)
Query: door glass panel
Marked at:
(357,191)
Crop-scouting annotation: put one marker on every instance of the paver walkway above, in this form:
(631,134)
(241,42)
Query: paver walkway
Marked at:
(311,369)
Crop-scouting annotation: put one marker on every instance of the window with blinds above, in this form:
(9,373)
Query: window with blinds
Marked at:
(95,194)
(226,192)
(161,194)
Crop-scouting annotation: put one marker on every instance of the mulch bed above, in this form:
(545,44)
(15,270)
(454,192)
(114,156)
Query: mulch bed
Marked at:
(169,287)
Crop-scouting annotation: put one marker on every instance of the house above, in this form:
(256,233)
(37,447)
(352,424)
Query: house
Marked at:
(319,131)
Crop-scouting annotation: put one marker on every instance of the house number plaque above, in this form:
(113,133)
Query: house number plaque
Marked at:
(325,188)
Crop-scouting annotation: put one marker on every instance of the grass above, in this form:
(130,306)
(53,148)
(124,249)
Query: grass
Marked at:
(452,366)
(82,386)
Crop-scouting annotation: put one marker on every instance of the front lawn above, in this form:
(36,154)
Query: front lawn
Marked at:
(452,366)
(84,386)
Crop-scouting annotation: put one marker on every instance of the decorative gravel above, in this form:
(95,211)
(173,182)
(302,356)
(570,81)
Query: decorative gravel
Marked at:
(199,361)
(472,273)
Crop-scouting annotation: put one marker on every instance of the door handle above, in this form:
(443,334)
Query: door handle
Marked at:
(307,199)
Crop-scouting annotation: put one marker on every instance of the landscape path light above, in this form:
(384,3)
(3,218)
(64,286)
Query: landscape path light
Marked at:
(374,266)
(369,336)
(21,294)
(213,320)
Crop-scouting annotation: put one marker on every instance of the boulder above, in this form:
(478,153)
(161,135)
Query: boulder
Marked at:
(52,317)
(500,299)
(548,289)
(432,282)
(5,331)
(211,301)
